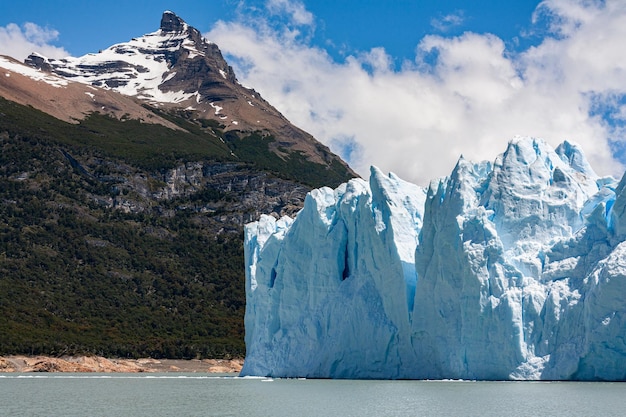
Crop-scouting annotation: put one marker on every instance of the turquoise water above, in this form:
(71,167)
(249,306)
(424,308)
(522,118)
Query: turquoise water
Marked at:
(136,395)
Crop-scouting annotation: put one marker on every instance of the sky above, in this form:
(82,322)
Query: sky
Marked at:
(406,85)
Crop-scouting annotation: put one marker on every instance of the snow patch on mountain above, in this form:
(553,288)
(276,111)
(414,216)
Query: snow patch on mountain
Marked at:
(139,67)
(35,74)
(134,68)
(511,269)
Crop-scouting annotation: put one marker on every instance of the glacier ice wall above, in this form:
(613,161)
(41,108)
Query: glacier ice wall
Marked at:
(514,269)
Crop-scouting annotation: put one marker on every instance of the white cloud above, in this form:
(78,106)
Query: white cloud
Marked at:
(462,95)
(298,14)
(19,42)
(447,22)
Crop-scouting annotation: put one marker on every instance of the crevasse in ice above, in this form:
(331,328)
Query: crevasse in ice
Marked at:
(514,269)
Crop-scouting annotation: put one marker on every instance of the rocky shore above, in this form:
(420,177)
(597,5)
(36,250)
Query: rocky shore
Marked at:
(99,364)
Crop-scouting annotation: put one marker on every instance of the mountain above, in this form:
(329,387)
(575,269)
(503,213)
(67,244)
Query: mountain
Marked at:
(512,269)
(122,206)
(176,68)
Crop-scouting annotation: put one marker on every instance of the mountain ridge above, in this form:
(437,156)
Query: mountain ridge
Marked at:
(175,67)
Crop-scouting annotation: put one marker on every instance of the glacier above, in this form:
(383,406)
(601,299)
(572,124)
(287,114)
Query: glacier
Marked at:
(507,270)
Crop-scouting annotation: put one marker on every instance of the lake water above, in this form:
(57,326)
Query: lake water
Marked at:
(134,395)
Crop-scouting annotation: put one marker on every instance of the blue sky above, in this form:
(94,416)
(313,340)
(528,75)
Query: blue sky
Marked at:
(340,26)
(406,85)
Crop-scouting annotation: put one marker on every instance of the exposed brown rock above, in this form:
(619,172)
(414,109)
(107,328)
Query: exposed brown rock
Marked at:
(104,365)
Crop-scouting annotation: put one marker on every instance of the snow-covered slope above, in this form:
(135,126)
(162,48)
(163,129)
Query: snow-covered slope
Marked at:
(10,65)
(514,269)
(144,67)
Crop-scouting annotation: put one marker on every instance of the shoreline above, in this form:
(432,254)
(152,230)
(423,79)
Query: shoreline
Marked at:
(27,364)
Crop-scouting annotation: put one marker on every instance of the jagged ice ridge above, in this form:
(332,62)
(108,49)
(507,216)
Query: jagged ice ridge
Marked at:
(514,269)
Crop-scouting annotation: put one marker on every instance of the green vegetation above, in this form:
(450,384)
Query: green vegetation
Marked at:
(80,276)
(256,148)
(147,146)
(154,147)
(76,277)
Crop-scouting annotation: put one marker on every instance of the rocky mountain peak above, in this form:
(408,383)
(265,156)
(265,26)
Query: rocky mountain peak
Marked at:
(170,22)
(182,36)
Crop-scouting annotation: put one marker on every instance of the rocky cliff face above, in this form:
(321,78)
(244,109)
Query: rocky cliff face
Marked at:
(231,194)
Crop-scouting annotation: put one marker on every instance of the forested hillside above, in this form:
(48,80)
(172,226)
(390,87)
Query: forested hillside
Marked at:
(124,239)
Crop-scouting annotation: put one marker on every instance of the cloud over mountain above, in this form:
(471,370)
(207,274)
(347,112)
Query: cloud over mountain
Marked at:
(467,94)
